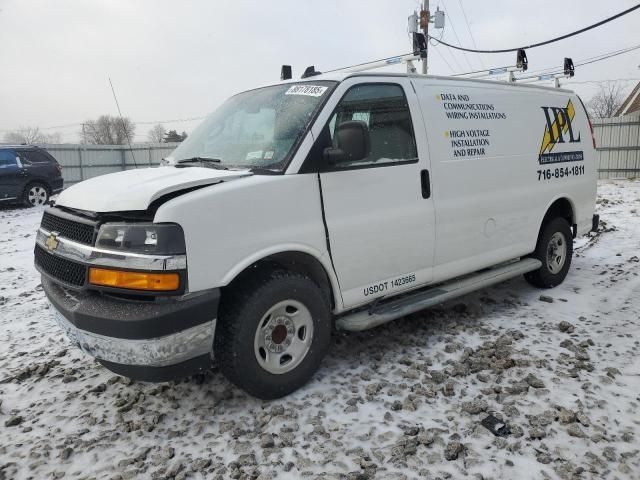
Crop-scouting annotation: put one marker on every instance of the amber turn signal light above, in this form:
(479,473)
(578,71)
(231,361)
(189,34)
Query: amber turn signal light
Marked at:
(157,282)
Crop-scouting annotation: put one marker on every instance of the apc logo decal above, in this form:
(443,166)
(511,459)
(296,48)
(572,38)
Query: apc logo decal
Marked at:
(559,129)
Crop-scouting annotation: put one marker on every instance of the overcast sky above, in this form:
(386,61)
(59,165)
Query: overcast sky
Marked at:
(175,60)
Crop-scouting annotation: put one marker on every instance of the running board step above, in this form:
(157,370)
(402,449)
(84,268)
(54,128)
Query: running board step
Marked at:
(393,309)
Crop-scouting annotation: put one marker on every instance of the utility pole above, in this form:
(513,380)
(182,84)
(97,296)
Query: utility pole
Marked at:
(424,25)
(418,26)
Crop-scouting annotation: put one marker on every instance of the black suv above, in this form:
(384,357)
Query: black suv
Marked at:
(28,175)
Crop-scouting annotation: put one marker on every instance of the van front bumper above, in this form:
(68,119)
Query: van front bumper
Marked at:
(145,340)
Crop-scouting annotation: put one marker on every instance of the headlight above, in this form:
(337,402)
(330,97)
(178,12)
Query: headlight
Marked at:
(152,238)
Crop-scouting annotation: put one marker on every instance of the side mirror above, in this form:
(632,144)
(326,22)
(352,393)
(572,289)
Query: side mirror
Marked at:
(353,143)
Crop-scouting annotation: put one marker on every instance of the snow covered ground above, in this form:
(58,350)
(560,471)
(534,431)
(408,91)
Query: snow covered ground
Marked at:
(402,401)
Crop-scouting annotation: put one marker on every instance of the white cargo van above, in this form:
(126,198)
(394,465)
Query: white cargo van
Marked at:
(339,201)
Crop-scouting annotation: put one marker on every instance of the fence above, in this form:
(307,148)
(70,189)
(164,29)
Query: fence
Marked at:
(617,139)
(618,146)
(80,162)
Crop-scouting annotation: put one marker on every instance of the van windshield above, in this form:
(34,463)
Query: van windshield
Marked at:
(256,129)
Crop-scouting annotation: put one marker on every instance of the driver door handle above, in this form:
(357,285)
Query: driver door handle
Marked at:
(425,184)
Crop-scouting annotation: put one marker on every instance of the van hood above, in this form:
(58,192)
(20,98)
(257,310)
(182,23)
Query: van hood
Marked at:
(136,189)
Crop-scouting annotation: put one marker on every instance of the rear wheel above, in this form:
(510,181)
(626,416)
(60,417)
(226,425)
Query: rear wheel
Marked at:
(554,250)
(273,331)
(35,195)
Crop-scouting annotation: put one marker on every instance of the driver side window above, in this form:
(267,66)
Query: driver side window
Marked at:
(383,109)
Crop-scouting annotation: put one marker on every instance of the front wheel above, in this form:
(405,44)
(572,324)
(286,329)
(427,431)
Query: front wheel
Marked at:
(272,334)
(554,250)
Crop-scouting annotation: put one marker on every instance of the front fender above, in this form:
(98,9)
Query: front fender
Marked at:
(322,258)
(230,226)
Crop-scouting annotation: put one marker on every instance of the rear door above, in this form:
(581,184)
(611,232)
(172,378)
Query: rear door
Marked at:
(10,175)
(379,214)
(39,165)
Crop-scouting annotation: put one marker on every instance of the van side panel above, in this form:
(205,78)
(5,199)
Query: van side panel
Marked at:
(500,155)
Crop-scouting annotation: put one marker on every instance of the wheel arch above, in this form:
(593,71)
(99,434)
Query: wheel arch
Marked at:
(36,181)
(295,259)
(561,206)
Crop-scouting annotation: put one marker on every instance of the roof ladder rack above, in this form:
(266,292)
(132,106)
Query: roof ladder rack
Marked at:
(419,53)
(521,66)
(569,72)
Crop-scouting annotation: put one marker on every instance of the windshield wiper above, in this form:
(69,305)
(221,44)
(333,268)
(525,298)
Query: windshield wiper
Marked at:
(200,159)
(263,171)
(209,162)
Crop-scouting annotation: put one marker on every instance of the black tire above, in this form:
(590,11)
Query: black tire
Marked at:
(242,310)
(545,277)
(35,194)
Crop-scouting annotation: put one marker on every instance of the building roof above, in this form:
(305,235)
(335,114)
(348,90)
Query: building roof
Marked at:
(631,104)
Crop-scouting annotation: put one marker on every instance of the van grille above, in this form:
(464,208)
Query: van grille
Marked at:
(76,231)
(59,268)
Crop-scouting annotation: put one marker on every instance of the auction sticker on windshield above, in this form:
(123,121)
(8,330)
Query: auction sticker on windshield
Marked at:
(309,90)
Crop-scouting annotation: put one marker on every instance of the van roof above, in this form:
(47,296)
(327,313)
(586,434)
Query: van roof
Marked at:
(341,76)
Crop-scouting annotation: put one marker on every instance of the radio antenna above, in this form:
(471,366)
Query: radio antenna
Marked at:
(124,128)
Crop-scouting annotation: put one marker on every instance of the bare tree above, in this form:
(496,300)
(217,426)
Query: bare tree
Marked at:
(31,135)
(108,130)
(607,100)
(55,137)
(156,134)
(173,136)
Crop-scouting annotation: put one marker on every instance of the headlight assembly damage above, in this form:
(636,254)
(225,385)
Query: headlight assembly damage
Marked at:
(161,238)
(139,238)
(134,257)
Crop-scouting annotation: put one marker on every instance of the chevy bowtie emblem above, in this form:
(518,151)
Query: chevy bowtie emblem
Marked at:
(52,242)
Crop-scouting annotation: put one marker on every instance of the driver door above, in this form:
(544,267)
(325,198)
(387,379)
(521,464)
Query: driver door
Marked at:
(379,211)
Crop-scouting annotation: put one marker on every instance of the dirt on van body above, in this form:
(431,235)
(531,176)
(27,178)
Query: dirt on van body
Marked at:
(406,400)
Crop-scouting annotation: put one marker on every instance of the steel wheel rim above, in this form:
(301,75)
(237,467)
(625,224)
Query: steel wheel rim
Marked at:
(283,337)
(37,196)
(556,252)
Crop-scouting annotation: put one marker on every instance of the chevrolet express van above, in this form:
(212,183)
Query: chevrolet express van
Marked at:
(338,201)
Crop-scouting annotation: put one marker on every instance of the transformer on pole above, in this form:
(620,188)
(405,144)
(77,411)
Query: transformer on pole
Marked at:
(420,21)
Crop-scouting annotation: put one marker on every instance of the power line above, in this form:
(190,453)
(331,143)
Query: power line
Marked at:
(570,82)
(586,61)
(55,127)
(147,122)
(366,63)
(124,128)
(546,42)
(560,68)
(444,7)
(631,49)
(473,40)
(176,120)
(449,51)
(444,59)
(589,61)
(543,71)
